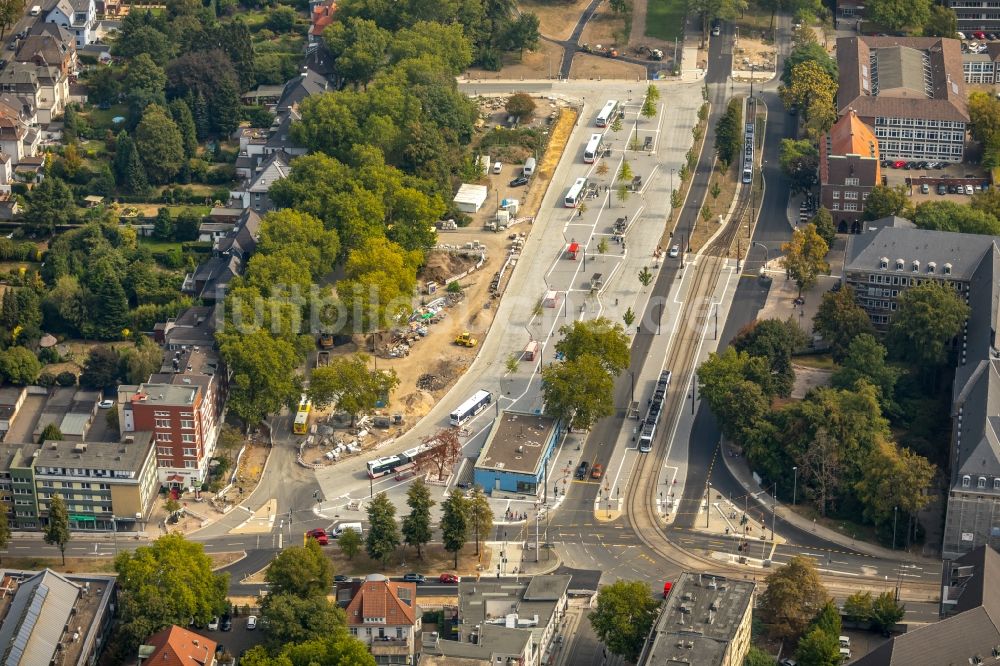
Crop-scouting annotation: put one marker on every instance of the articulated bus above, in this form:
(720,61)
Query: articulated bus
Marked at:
(382,466)
(575,194)
(301,426)
(608,113)
(479,401)
(594,148)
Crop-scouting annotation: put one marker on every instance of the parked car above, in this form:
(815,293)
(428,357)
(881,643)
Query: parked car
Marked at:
(942,188)
(227,623)
(414,578)
(251,623)
(991,36)
(106,404)
(448,579)
(960,35)
(979,34)
(666,588)
(406,474)
(898,164)
(597,471)
(925,189)
(213,624)
(341,578)
(675,251)
(320,535)
(969,190)
(581,471)
(519,181)
(716,31)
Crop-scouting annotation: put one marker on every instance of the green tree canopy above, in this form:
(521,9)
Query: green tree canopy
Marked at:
(359,46)
(417,524)
(383,533)
(50,204)
(336,648)
(927,318)
(840,320)
(894,15)
(866,359)
(455,523)
(818,648)
(294,619)
(144,83)
(348,382)
(160,144)
(804,257)
(886,611)
(263,373)
(600,338)
(886,201)
(823,221)
(793,597)
(858,607)
(623,617)
(578,392)
(302,237)
(19,366)
(951,216)
(56,531)
(809,51)
(168,582)
(800,162)
(774,340)
(300,571)
(941,22)
(894,478)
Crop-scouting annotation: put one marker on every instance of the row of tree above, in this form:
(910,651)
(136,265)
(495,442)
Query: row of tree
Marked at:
(809,84)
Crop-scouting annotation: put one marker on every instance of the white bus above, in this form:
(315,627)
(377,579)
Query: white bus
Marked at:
(382,466)
(607,114)
(594,148)
(575,194)
(479,401)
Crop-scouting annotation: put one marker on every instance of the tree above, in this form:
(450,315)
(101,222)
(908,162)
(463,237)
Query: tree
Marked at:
(379,280)
(455,523)
(579,391)
(793,596)
(894,478)
(950,216)
(417,524)
(729,133)
(10,12)
(300,571)
(624,615)
(828,619)
(137,363)
(20,366)
(108,313)
(50,204)
(811,89)
(840,320)
(818,648)
(359,46)
(800,162)
(57,525)
(336,648)
(984,113)
(480,515)
(168,582)
(774,340)
(348,382)
(292,619)
(598,337)
(383,534)
(648,109)
(143,83)
(757,657)
(301,236)
(628,317)
(523,33)
(100,369)
(263,373)
(521,106)
(894,15)
(625,172)
(163,225)
(130,174)
(927,319)
(858,607)
(886,201)
(51,432)
(886,612)
(822,464)
(281,19)
(181,113)
(941,22)
(823,221)
(160,144)
(804,257)
(808,51)
(866,359)
(350,543)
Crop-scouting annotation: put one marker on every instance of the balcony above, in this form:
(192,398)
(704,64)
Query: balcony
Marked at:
(390,646)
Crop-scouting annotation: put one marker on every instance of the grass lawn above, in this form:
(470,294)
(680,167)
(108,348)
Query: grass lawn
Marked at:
(817,361)
(157,245)
(101,118)
(665,19)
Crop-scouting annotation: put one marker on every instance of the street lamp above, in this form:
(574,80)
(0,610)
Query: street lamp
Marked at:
(795,484)
(894,509)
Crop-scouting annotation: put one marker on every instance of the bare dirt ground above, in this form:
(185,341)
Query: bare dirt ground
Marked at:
(592,67)
(556,20)
(249,472)
(754,52)
(605,28)
(807,378)
(74,353)
(538,64)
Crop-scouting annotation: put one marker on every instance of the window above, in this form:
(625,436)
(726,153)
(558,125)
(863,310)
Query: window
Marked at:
(966,481)
(164,451)
(163,437)
(187,425)
(162,423)
(915,266)
(161,413)
(850,206)
(189,464)
(852,181)
(187,438)
(187,415)
(190,453)
(996,484)
(836,205)
(836,194)
(982,482)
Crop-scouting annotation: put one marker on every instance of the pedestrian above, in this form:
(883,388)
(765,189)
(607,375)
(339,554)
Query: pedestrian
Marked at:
(616,301)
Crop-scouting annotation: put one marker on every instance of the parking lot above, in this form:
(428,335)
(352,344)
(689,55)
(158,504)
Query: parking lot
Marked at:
(236,641)
(956,179)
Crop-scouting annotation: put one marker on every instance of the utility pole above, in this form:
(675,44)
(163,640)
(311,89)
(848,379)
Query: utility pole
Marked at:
(536,535)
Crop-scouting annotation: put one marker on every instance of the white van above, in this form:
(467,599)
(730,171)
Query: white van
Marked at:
(529,166)
(845,653)
(845,642)
(497,167)
(36,10)
(343,527)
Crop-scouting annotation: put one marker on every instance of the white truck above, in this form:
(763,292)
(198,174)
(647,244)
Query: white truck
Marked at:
(36,10)
(343,527)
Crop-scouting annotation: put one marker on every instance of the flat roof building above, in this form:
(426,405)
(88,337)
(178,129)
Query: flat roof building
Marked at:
(515,456)
(705,621)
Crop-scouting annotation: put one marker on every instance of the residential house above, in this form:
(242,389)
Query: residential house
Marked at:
(706,620)
(383,615)
(77,16)
(229,256)
(849,13)
(51,618)
(48,50)
(46,86)
(263,95)
(253,193)
(309,82)
(848,170)
(176,646)
(11,400)
(890,256)
(321,14)
(969,629)
(252,141)
(515,456)
(108,486)
(911,90)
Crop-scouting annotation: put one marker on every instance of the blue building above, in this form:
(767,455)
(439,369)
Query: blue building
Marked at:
(516,454)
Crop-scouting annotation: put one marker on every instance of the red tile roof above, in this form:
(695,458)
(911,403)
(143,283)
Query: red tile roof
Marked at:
(379,598)
(322,16)
(179,647)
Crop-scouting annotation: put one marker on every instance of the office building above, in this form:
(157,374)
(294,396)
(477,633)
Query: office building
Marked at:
(848,170)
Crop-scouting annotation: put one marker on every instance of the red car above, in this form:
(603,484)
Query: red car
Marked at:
(898,164)
(979,34)
(448,578)
(320,535)
(666,588)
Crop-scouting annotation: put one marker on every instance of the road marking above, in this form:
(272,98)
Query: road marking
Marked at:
(839,573)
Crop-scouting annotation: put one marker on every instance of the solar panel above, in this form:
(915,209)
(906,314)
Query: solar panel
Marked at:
(27,626)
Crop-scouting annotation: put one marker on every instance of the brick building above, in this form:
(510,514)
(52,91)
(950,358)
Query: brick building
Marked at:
(848,170)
